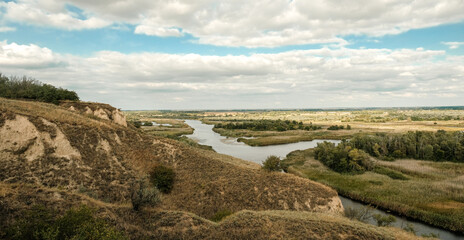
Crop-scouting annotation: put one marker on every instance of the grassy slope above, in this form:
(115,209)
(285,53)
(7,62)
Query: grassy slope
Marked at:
(434,192)
(161,224)
(206,183)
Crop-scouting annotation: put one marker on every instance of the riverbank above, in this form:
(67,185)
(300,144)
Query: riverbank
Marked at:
(269,138)
(432,192)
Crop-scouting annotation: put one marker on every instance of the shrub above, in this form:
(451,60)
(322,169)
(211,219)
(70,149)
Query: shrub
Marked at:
(384,220)
(77,223)
(272,163)
(362,214)
(336,127)
(143,194)
(409,228)
(221,214)
(162,177)
(137,124)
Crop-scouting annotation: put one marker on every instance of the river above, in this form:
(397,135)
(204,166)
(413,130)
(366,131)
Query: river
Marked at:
(205,135)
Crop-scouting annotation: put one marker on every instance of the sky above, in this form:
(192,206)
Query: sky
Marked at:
(240,54)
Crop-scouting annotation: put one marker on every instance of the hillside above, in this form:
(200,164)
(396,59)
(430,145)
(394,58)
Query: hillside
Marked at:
(63,156)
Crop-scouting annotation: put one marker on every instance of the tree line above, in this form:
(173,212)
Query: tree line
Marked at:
(28,88)
(436,146)
(268,125)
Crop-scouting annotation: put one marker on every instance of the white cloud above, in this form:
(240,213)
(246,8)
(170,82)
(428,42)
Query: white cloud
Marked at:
(305,78)
(38,13)
(7,29)
(260,23)
(158,31)
(453,45)
(26,56)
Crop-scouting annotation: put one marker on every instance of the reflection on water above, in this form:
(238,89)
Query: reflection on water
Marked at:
(205,135)
(401,222)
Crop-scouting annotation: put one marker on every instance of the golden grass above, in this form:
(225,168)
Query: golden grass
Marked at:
(154,223)
(52,113)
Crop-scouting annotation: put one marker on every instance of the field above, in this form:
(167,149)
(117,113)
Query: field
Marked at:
(366,121)
(430,191)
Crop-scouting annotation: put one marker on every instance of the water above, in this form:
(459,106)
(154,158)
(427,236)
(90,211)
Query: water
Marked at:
(205,135)
(402,222)
(161,124)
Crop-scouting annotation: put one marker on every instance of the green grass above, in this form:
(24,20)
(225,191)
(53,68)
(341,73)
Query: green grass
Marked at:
(437,200)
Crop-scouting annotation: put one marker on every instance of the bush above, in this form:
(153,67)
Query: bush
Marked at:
(272,163)
(336,127)
(142,194)
(162,177)
(362,214)
(384,220)
(409,228)
(76,223)
(221,214)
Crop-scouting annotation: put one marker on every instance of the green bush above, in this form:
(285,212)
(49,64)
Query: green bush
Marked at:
(272,163)
(142,194)
(77,223)
(163,178)
(28,88)
(342,158)
(384,220)
(221,214)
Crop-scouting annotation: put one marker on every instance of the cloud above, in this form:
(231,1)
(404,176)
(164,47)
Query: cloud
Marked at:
(26,56)
(7,29)
(302,78)
(453,45)
(158,31)
(49,15)
(260,23)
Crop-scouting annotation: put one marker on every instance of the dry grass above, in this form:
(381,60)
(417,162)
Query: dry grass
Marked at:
(206,183)
(52,113)
(161,224)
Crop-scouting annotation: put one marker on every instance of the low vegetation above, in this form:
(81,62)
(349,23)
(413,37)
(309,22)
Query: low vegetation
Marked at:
(428,191)
(31,89)
(384,220)
(162,177)
(77,223)
(272,164)
(142,194)
(221,214)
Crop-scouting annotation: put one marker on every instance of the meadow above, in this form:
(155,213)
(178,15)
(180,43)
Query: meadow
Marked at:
(432,192)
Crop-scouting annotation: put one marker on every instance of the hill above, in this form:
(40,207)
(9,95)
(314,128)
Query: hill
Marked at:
(56,157)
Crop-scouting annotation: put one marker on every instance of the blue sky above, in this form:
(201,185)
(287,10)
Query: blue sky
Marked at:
(239,54)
